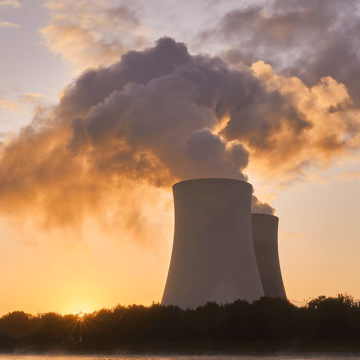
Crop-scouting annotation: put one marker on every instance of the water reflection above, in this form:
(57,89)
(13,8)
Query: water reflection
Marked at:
(176,357)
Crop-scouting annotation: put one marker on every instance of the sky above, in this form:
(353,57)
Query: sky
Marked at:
(104,105)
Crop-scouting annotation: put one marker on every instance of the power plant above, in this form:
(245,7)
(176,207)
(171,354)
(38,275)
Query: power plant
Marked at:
(265,238)
(213,256)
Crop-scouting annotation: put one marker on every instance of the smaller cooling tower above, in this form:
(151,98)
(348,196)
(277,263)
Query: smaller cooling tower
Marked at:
(265,237)
(213,256)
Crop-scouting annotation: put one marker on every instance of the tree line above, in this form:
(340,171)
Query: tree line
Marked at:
(238,324)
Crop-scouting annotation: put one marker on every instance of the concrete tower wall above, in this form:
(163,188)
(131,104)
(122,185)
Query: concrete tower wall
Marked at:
(265,237)
(213,256)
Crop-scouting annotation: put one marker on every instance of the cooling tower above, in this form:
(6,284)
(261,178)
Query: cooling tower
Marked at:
(213,256)
(265,237)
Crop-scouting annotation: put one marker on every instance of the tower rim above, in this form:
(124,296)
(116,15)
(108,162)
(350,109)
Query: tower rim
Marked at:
(212,179)
(257,214)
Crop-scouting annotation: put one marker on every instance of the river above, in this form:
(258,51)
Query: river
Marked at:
(179,357)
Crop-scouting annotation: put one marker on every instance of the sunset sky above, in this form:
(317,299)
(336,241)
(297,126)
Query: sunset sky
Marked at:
(105,104)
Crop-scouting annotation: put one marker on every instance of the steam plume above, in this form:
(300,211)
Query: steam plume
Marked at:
(162,115)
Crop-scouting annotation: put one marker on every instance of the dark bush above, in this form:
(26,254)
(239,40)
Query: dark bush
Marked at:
(266,320)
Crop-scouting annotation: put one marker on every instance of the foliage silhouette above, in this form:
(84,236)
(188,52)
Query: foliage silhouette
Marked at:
(268,320)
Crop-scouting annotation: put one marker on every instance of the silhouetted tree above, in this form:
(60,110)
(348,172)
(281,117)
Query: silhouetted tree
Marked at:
(265,320)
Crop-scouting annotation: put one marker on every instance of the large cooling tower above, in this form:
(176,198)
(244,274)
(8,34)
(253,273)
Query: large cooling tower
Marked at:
(213,256)
(265,237)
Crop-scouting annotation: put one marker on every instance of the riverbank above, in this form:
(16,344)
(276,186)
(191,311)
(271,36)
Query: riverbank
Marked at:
(262,348)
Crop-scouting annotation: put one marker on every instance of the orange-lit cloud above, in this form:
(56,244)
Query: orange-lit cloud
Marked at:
(122,135)
(348,176)
(110,144)
(11,105)
(31,98)
(92,33)
(9,24)
(10,3)
(24,99)
(323,125)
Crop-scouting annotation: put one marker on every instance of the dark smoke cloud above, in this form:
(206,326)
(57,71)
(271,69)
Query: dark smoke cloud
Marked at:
(160,102)
(159,116)
(310,39)
(152,118)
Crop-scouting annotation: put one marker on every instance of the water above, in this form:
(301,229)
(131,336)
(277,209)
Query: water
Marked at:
(175,357)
